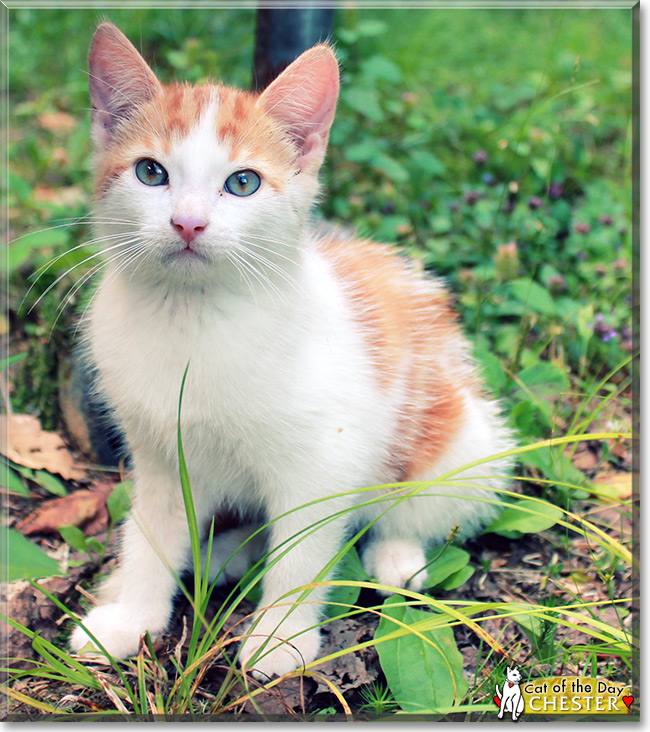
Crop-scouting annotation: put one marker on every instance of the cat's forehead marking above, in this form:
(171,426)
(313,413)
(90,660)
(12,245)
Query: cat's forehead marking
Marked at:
(203,123)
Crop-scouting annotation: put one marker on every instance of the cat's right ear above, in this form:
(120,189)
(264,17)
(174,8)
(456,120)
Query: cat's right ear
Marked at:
(120,80)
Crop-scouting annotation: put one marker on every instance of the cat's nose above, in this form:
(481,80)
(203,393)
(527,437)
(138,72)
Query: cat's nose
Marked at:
(189,227)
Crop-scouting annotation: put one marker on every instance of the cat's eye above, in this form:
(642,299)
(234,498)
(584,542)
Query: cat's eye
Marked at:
(243,183)
(151,173)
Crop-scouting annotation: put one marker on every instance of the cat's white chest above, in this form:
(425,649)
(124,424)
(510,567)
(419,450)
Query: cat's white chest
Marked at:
(143,349)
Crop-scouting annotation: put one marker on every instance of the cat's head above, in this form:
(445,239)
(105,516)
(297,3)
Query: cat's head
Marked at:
(205,176)
(513,675)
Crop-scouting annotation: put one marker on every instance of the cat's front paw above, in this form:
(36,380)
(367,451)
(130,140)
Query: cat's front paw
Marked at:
(268,654)
(117,627)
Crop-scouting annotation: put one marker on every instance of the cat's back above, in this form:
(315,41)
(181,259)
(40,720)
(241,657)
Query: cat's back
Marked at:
(399,308)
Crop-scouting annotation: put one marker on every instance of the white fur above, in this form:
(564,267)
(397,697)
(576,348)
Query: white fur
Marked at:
(281,405)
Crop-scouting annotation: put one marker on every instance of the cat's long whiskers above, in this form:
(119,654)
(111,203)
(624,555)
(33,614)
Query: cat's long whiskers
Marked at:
(140,248)
(261,278)
(72,291)
(41,271)
(87,243)
(119,254)
(265,262)
(240,266)
(73,221)
(250,240)
(79,264)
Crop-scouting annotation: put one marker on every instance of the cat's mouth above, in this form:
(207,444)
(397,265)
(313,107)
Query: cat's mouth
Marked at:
(187,253)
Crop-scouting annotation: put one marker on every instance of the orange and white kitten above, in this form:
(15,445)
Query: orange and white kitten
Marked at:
(319,364)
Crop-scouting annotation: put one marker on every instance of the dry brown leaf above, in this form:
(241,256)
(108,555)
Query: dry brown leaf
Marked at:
(24,442)
(57,121)
(85,509)
(585,460)
(617,485)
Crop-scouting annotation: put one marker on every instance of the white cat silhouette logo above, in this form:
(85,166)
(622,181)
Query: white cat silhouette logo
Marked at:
(510,699)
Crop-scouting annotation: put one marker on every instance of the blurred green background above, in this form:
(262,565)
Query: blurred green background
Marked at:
(493,145)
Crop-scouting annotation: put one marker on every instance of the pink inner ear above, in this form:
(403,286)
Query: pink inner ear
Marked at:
(303,98)
(120,79)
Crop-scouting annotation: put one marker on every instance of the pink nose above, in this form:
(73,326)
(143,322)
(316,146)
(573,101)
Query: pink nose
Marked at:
(189,227)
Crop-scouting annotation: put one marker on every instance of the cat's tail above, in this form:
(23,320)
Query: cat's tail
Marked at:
(498,692)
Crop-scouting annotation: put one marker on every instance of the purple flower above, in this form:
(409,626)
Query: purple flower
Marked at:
(534,202)
(480,156)
(555,190)
(582,228)
(606,220)
(471,197)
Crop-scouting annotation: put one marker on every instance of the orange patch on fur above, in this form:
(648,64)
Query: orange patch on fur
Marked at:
(248,133)
(416,346)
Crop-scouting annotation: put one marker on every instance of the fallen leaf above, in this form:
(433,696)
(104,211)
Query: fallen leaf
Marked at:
(85,509)
(617,485)
(353,669)
(585,460)
(57,121)
(24,442)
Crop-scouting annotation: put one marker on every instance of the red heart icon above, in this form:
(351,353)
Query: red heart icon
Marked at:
(497,701)
(627,700)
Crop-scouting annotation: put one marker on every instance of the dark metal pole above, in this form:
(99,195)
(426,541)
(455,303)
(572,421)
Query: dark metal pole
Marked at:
(283,34)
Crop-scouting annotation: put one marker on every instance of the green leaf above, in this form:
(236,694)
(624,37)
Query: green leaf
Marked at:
(6,362)
(532,419)
(119,502)
(19,186)
(541,517)
(75,537)
(364,101)
(457,579)
(541,167)
(371,27)
(50,483)
(13,484)
(394,170)
(492,368)
(381,67)
(95,545)
(447,560)
(349,568)
(363,152)
(533,295)
(420,675)
(545,379)
(428,162)
(24,559)
(22,249)
(554,465)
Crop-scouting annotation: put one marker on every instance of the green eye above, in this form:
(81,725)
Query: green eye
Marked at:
(151,173)
(243,183)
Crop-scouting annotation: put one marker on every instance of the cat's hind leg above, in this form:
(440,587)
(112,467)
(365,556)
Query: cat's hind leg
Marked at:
(396,562)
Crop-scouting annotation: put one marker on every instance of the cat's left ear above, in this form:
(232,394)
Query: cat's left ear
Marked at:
(303,99)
